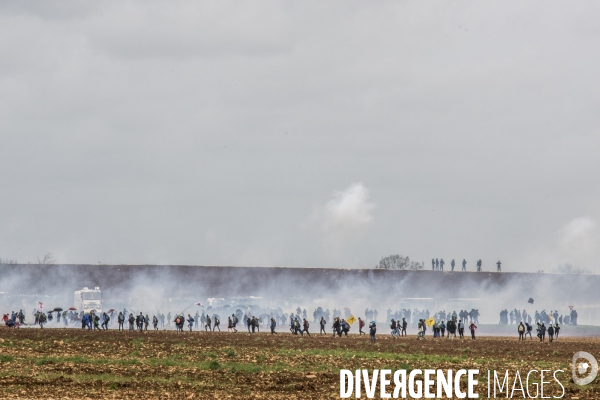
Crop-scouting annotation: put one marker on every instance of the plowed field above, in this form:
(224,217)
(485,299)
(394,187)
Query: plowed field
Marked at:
(69,363)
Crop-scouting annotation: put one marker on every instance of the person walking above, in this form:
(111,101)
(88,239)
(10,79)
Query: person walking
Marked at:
(528,332)
(121,320)
(361,324)
(305,326)
(190,322)
(322,324)
(372,331)
(550,333)
(421,329)
(543,332)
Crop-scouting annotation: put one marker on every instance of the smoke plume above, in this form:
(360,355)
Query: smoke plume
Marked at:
(344,217)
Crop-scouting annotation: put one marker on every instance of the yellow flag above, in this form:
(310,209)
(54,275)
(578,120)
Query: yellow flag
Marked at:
(351,320)
(430,321)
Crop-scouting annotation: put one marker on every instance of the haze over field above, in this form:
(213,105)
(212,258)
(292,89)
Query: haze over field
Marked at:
(300,134)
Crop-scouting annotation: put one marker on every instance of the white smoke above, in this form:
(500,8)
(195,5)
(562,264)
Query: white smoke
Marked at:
(344,217)
(577,243)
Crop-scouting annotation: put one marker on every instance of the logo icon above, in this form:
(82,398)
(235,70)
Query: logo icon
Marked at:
(591,365)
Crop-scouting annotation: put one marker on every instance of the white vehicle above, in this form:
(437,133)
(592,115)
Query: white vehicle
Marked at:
(87,300)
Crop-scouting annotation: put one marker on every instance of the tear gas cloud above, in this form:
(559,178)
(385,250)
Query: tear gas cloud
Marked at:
(342,219)
(153,289)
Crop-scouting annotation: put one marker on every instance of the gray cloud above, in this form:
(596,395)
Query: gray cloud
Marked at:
(131,130)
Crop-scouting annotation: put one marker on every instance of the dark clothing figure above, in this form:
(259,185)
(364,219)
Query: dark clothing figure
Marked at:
(528,331)
(121,321)
(305,326)
(542,332)
(337,327)
(499,269)
(105,322)
(131,322)
(345,327)
(452,264)
(464,264)
(372,331)
(322,324)
(521,330)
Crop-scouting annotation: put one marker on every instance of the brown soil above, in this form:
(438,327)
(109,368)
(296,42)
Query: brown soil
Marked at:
(69,363)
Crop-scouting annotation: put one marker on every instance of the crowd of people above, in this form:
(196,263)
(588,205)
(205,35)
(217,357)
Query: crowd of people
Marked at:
(553,317)
(443,324)
(524,329)
(413,317)
(437,264)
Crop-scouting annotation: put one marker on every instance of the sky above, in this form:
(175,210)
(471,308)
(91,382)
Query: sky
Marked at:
(301,134)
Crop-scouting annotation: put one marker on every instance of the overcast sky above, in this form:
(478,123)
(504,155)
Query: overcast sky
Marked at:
(323,134)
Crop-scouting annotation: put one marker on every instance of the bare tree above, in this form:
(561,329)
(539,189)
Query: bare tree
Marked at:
(396,261)
(47,259)
(8,261)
